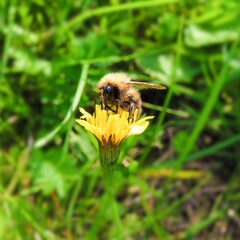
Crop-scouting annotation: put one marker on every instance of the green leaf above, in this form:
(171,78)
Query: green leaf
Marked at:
(161,66)
(91,46)
(27,61)
(197,36)
(51,173)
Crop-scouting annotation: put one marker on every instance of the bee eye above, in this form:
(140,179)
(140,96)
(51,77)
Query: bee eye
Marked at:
(107,90)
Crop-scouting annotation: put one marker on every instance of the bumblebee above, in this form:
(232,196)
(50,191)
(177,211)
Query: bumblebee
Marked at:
(117,90)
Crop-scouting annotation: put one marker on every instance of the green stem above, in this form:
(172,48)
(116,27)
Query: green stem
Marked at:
(110,187)
(116,217)
(108,154)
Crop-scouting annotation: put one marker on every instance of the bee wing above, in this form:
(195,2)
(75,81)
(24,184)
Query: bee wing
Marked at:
(146,85)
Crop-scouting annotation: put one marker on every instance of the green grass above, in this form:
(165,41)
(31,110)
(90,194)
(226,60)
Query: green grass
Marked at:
(182,181)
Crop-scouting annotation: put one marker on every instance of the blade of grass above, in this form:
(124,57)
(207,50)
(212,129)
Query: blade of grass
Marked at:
(196,228)
(81,84)
(179,113)
(208,107)
(216,88)
(151,222)
(45,234)
(200,154)
(106,10)
(92,233)
(158,125)
(21,165)
(11,16)
(76,191)
(166,212)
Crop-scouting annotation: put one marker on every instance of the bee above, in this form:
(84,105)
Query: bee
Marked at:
(116,90)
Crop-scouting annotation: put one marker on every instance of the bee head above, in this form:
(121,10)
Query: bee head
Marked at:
(111,92)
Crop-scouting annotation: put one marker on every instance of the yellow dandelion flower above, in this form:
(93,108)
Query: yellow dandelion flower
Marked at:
(111,129)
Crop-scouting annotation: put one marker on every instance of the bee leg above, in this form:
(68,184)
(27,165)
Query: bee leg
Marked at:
(131,110)
(102,102)
(110,108)
(117,104)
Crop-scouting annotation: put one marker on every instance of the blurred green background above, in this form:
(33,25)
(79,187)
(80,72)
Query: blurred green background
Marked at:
(180,178)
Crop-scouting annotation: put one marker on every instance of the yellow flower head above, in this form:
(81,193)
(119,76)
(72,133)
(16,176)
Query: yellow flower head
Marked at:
(112,128)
